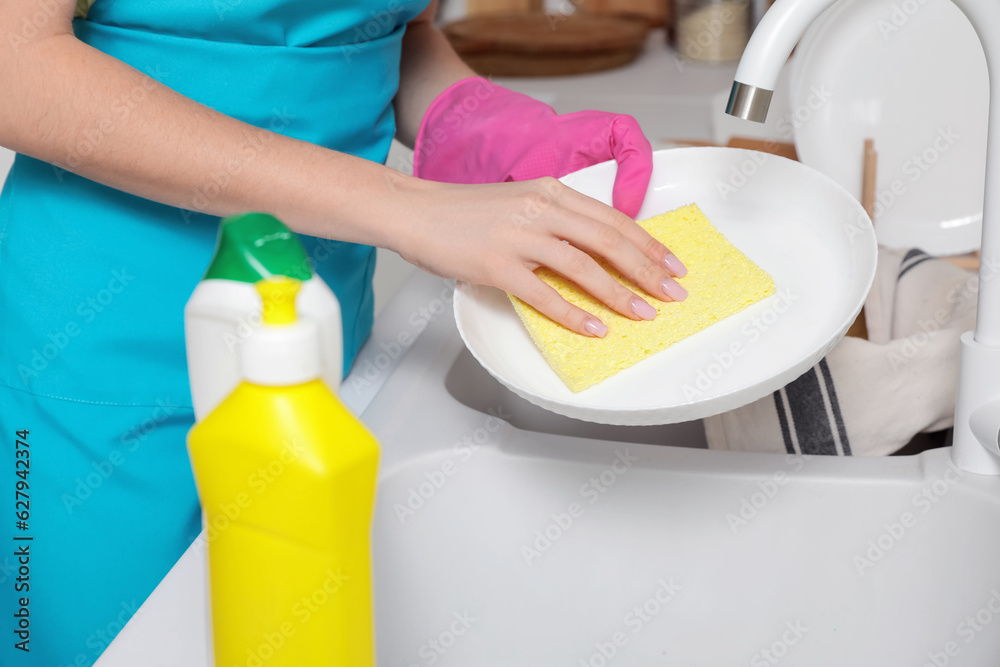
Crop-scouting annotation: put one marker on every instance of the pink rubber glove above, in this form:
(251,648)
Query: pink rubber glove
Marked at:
(479,132)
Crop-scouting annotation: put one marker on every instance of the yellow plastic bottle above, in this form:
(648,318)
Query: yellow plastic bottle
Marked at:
(286,477)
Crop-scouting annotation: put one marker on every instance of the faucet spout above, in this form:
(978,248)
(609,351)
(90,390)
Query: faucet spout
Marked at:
(976,445)
(769,47)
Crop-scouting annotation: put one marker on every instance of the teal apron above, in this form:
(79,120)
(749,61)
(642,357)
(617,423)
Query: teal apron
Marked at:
(93,284)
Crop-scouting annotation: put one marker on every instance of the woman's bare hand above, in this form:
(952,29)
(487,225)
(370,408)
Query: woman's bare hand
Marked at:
(499,234)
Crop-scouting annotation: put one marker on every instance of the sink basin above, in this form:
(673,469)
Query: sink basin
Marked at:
(508,536)
(470,384)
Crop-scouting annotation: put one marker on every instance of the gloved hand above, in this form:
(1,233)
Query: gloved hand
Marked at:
(479,132)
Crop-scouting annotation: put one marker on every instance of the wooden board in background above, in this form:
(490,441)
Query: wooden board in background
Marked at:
(480,7)
(656,12)
(546,44)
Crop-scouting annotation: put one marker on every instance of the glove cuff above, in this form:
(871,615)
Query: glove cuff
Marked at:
(464,127)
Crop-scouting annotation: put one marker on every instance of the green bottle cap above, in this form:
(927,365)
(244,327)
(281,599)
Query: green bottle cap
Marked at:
(255,246)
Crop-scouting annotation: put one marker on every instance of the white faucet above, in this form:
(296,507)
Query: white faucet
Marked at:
(977,412)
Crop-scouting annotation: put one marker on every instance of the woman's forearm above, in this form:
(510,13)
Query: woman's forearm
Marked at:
(70,105)
(429,65)
(82,110)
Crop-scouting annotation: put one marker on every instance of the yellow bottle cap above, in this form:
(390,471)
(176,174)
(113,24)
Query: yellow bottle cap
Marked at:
(278,294)
(285,351)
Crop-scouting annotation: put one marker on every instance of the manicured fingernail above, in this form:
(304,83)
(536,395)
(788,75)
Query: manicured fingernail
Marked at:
(596,327)
(672,289)
(642,309)
(674,265)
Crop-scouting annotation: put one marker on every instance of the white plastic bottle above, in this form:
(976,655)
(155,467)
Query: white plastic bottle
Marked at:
(225,307)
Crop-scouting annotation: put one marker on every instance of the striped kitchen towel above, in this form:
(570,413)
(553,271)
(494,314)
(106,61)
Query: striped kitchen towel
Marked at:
(871,397)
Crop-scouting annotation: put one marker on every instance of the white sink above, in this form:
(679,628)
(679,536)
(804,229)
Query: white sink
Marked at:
(536,540)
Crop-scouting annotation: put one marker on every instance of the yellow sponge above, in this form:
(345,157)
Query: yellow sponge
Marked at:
(721,281)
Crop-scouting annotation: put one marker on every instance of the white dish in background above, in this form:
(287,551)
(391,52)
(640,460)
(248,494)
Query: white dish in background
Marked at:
(810,234)
(915,80)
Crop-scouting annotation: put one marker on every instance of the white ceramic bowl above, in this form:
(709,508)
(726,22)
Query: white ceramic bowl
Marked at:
(913,77)
(809,233)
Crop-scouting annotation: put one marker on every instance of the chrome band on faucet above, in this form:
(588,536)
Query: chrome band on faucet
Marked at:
(749,102)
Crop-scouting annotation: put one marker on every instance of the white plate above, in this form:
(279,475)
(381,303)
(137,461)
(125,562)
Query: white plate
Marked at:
(911,75)
(798,225)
